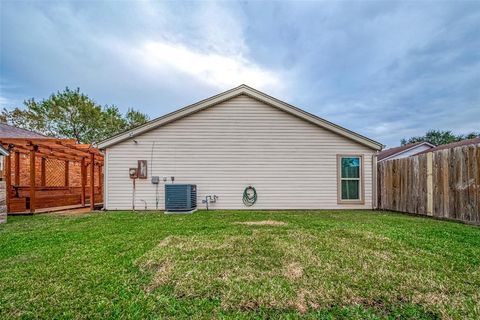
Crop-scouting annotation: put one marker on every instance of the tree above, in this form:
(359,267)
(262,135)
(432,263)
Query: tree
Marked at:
(135,118)
(72,114)
(438,137)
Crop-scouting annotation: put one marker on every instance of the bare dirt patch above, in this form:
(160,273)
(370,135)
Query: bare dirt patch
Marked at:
(162,275)
(293,271)
(72,212)
(263,223)
(300,303)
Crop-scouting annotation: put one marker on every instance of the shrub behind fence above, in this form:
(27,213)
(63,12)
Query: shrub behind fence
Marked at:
(443,184)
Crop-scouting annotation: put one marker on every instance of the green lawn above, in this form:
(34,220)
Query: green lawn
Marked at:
(316,264)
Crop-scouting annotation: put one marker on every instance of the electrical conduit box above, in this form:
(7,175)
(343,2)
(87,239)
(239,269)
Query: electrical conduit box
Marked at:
(180,198)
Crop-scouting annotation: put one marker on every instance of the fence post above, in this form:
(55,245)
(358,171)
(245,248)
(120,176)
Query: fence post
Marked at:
(7,172)
(374,182)
(83,173)
(92,181)
(430,184)
(32,179)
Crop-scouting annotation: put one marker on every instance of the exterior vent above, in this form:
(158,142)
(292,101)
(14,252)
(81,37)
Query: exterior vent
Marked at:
(180,198)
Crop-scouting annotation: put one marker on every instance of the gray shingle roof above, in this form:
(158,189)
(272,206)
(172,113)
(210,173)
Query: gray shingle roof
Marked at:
(392,151)
(8,131)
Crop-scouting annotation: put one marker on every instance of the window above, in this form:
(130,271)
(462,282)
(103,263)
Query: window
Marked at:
(350,179)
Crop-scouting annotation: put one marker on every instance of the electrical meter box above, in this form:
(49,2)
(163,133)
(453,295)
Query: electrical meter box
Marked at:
(133,173)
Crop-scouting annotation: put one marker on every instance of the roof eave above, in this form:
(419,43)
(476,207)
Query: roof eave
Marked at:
(170,117)
(403,151)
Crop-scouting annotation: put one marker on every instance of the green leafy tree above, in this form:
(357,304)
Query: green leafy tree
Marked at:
(113,121)
(134,118)
(438,137)
(72,114)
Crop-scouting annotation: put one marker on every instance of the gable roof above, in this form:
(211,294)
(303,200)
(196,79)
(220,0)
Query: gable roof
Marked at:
(8,131)
(229,94)
(453,145)
(388,153)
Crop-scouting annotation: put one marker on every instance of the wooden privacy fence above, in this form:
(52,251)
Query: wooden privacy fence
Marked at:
(442,184)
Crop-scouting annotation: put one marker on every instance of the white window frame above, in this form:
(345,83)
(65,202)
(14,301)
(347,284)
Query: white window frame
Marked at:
(361,191)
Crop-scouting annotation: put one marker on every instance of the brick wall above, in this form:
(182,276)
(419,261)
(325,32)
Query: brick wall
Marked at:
(3,205)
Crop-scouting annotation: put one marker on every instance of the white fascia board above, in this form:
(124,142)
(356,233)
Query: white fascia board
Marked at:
(406,150)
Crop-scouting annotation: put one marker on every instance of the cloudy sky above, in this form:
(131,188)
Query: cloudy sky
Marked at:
(386,70)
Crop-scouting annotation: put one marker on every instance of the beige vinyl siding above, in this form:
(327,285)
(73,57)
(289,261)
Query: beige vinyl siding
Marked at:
(225,148)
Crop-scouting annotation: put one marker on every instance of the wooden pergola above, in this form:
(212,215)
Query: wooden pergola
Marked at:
(66,150)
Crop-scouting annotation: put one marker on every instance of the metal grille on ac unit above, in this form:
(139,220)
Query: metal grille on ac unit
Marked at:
(180,197)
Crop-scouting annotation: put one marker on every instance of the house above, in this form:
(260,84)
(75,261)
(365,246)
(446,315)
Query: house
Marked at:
(404,151)
(42,173)
(9,131)
(241,138)
(3,153)
(3,194)
(452,145)
(56,176)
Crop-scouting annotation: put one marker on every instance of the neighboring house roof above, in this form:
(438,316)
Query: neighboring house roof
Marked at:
(392,152)
(453,145)
(253,93)
(8,131)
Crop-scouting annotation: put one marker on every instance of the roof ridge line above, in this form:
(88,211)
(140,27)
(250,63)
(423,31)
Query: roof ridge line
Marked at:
(229,94)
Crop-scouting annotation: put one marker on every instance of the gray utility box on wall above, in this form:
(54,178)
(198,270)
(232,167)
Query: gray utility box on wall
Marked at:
(180,198)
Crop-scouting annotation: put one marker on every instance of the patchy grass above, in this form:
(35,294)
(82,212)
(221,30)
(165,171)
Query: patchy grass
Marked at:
(262,223)
(227,264)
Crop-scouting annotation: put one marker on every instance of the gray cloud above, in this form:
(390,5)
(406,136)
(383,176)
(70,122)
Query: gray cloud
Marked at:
(386,70)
